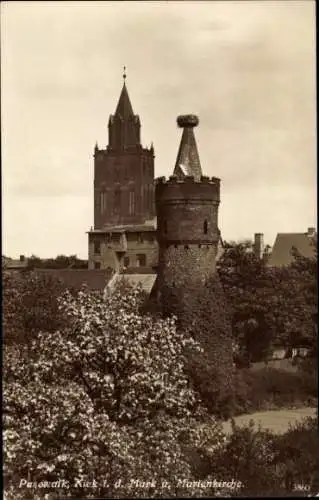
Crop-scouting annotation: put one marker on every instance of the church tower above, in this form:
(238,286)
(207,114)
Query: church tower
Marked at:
(124,171)
(187,217)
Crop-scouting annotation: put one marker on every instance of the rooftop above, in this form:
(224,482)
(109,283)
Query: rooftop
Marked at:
(188,162)
(95,279)
(281,254)
(9,263)
(146,280)
(149,225)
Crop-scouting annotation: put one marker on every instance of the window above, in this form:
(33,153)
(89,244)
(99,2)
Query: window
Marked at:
(146,201)
(140,237)
(126,261)
(117,201)
(97,265)
(205,227)
(97,247)
(165,226)
(103,201)
(131,202)
(141,259)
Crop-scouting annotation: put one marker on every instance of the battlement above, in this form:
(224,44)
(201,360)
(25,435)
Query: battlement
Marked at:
(188,179)
(175,188)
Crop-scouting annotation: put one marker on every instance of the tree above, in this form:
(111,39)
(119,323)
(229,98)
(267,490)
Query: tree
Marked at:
(202,312)
(105,397)
(59,262)
(294,310)
(269,305)
(270,465)
(30,305)
(248,286)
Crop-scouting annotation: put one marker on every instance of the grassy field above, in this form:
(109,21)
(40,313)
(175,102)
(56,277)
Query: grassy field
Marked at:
(277,421)
(279,364)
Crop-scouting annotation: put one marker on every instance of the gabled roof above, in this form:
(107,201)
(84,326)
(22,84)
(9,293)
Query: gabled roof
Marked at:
(9,263)
(147,281)
(281,254)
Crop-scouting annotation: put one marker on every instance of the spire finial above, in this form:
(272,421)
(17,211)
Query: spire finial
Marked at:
(124,73)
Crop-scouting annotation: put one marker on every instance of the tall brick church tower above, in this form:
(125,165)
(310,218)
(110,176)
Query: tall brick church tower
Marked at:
(187,216)
(124,171)
(124,233)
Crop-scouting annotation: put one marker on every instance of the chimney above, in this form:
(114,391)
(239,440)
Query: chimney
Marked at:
(311,232)
(22,258)
(259,245)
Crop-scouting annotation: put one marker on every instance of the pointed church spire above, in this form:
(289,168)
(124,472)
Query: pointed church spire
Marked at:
(124,108)
(124,126)
(187,162)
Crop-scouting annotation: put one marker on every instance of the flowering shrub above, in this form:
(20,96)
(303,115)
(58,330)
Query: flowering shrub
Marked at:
(30,305)
(103,407)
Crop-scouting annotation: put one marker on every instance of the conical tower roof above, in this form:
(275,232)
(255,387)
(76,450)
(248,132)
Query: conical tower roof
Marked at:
(124,126)
(188,162)
(124,107)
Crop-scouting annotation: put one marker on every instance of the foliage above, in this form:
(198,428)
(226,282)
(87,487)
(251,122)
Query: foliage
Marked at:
(30,305)
(246,283)
(271,388)
(297,453)
(268,464)
(270,306)
(202,312)
(59,262)
(295,310)
(106,397)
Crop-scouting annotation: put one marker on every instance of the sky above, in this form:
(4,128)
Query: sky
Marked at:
(247,69)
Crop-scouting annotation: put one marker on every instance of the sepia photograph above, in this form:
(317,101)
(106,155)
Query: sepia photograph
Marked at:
(159,249)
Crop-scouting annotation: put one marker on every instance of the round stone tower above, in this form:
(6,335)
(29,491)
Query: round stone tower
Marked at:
(188,284)
(187,217)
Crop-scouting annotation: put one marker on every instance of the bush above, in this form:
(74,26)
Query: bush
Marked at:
(30,305)
(297,454)
(270,465)
(272,388)
(248,458)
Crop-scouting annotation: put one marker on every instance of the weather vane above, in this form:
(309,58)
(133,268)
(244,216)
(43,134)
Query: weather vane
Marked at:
(124,72)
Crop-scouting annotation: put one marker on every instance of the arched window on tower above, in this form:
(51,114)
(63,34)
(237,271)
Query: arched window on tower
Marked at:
(117,201)
(149,198)
(103,201)
(131,202)
(205,226)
